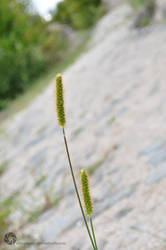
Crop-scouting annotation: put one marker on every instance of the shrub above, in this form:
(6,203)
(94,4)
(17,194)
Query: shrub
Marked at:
(79,14)
(27,48)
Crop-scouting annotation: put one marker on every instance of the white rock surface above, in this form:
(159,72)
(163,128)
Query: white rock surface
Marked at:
(121,76)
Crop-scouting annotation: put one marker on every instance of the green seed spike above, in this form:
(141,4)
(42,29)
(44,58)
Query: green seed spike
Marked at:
(59,100)
(85,188)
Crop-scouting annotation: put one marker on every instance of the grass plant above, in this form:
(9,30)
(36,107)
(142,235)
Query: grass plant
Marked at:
(59,106)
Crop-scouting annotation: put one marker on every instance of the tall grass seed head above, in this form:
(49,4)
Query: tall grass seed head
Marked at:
(59,100)
(85,188)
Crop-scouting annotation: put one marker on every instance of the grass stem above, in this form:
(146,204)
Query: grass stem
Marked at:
(93,232)
(76,189)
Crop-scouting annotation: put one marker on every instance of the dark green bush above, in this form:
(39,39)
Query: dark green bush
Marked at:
(54,47)
(17,69)
(27,48)
(80,14)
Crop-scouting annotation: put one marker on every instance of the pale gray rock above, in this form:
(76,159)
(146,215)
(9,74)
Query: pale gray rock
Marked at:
(121,76)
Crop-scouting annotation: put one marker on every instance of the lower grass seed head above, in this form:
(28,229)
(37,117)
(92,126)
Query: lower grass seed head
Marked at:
(59,100)
(85,188)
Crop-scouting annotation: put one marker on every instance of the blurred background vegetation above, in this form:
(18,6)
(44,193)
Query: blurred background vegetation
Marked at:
(79,14)
(141,3)
(30,45)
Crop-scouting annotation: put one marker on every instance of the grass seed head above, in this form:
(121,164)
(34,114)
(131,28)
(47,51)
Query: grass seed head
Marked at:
(59,100)
(85,188)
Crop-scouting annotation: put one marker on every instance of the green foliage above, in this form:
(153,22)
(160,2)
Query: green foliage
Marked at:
(62,13)
(137,3)
(54,47)
(39,84)
(27,48)
(79,14)
(29,45)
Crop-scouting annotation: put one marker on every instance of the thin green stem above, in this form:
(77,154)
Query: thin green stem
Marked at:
(93,232)
(76,189)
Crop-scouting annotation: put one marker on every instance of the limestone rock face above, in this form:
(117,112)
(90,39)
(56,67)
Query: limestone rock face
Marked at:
(161,13)
(115,102)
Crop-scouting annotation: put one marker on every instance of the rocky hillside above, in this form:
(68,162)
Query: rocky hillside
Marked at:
(116,128)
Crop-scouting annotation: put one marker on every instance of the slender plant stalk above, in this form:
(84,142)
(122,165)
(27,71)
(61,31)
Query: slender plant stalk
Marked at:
(59,103)
(76,189)
(93,232)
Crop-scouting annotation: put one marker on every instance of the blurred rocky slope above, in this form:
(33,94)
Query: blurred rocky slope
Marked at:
(116,127)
